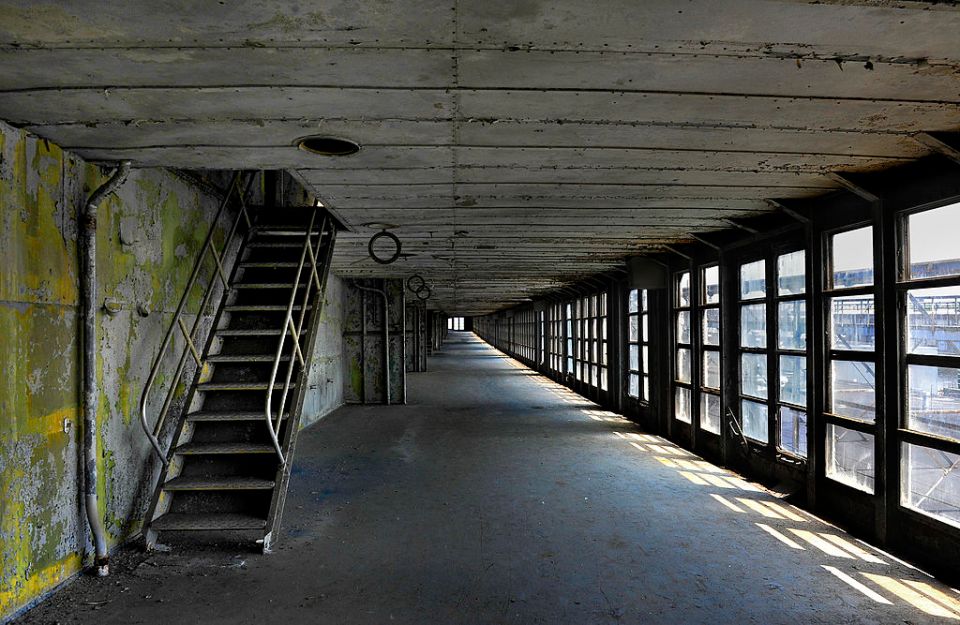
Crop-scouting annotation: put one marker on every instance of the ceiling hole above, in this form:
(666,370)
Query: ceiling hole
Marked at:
(329,146)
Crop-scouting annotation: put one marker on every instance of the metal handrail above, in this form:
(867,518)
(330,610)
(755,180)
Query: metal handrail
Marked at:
(295,330)
(190,349)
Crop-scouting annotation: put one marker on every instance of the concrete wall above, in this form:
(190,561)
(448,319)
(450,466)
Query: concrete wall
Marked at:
(365,378)
(325,378)
(148,238)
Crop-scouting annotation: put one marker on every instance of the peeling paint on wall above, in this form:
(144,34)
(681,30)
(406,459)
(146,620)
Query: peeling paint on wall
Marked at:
(148,236)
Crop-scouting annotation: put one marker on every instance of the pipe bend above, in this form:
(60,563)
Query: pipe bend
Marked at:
(88,288)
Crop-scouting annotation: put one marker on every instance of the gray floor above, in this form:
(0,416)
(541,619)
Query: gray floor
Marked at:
(496,496)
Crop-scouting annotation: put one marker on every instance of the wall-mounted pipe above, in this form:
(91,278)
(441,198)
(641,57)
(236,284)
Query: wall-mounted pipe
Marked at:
(88,306)
(386,337)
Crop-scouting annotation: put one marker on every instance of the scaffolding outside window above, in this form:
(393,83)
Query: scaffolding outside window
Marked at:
(929,291)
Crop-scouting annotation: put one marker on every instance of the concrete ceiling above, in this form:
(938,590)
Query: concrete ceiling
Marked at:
(518,144)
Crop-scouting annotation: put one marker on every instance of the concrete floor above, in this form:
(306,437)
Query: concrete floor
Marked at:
(497,496)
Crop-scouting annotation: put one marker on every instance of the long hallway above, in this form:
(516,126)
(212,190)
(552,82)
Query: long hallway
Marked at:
(498,496)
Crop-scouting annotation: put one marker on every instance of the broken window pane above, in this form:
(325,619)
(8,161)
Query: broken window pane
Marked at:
(850,457)
(793,431)
(853,393)
(930,482)
(934,400)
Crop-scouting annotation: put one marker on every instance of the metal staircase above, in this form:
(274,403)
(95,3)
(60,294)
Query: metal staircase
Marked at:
(228,466)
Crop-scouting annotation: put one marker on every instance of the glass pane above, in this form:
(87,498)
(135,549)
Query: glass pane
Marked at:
(753,280)
(634,332)
(931,244)
(711,326)
(683,365)
(711,285)
(852,323)
(931,482)
(682,405)
(933,321)
(793,380)
(934,400)
(753,375)
(683,290)
(852,258)
(753,325)
(633,385)
(645,328)
(754,417)
(710,412)
(644,357)
(643,299)
(850,457)
(683,327)
(793,431)
(646,387)
(792,325)
(791,273)
(853,392)
(711,369)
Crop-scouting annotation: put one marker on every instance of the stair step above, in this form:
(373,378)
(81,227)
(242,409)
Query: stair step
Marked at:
(270,265)
(262,308)
(252,332)
(210,449)
(218,483)
(241,358)
(266,285)
(210,521)
(292,244)
(227,415)
(204,387)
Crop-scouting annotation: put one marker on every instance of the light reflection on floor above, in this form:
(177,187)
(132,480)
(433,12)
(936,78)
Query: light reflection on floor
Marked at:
(817,535)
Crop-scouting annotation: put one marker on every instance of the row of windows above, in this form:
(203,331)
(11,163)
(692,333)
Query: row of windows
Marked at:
(770,380)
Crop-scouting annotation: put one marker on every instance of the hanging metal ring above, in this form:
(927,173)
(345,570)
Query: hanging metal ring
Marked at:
(418,280)
(420,293)
(396,251)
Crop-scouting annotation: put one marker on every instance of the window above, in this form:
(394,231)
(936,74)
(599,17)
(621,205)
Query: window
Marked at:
(683,363)
(929,288)
(568,317)
(602,340)
(542,332)
(792,353)
(851,367)
(638,344)
(556,337)
(455,323)
(754,415)
(710,349)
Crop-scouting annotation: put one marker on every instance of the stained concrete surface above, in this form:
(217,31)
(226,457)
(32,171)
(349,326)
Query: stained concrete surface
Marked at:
(497,496)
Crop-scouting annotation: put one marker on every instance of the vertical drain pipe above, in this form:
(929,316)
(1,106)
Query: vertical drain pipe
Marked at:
(88,289)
